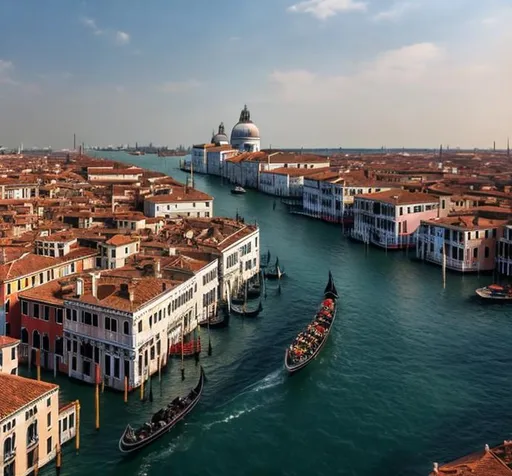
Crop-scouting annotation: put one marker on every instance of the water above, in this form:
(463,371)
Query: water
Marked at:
(411,374)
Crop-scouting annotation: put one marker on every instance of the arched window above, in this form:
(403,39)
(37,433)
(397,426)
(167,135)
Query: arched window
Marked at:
(32,435)
(126,328)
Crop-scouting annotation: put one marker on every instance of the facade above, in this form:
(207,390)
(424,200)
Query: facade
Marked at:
(284,181)
(29,271)
(110,174)
(216,159)
(182,202)
(115,251)
(125,325)
(198,158)
(245,136)
(12,188)
(57,244)
(390,219)
(9,355)
(465,243)
(30,424)
(504,252)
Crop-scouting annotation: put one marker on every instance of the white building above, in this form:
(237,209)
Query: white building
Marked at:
(216,158)
(181,202)
(57,244)
(126,326)
(110,174)
(115,251)
(9,355)
(284,181)
(504,252)
(198,158)
(245,136)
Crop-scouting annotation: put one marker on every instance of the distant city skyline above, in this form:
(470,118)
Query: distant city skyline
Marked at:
(314,73)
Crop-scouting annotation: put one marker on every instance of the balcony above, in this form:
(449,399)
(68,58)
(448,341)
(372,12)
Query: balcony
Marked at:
(451,263)
(32,441)
(9,456)
(98,333)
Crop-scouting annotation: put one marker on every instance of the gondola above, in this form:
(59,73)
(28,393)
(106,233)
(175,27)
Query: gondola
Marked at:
(242,310)
(275,272)
(162,421)
(308,344)
(221,319)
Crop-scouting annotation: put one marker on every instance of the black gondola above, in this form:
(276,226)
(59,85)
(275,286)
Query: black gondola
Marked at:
(162,421)
(308,344)
(242,310)
(221,319)
(275,272)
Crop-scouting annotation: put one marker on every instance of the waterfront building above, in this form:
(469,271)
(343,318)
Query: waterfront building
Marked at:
(216,158)
(116,250)
(285,181)
(466,243)
(389,219)
(182,202)
(199,157)
(9,355)
(487,462)
(245,136)
(125,324)
(29,270)
(234,243)
(31,424)
(504,252)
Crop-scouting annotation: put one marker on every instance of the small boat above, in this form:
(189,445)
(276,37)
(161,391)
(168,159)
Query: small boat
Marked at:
(238,190)
(162,421)
(496,292)
(265,260)
(217,321)
(308,344)
(244,312)
(275,272)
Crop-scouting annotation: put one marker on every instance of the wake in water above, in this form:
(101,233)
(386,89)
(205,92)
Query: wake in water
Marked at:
(270,381)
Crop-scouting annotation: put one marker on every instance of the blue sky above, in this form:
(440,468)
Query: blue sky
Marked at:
(314,73)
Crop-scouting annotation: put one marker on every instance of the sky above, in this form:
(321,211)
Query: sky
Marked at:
(314,73)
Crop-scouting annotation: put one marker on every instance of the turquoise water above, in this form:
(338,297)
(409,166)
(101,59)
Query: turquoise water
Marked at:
(412,373)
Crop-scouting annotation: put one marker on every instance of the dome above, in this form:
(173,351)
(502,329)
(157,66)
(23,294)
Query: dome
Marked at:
(245,130)
(220,138)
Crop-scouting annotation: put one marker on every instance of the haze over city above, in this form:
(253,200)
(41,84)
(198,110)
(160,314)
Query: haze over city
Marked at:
(315,73)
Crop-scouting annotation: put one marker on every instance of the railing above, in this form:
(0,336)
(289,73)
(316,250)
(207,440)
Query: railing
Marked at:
(451,262)
(32,441)
(9,456)
(99,333)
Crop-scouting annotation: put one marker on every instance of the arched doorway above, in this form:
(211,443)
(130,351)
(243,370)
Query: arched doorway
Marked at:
(59,346)
(24,336)
(46,343)
(36,340)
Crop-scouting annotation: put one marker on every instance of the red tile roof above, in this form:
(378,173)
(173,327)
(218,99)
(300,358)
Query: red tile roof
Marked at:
(6,341)
(20,391)
(400,197)
(482,463)
(120,240)
(180,194)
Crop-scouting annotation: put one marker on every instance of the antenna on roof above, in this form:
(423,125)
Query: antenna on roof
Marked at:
(508,147)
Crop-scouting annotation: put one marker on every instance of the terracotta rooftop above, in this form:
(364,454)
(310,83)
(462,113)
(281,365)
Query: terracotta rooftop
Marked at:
(295,171)
(466,222)
(180,194)
(6,341)
(120,240)
(62,236)
(20,391)
(399,197)
(50,293)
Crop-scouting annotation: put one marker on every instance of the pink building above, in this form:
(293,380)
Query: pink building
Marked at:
(390,219)
(467,242)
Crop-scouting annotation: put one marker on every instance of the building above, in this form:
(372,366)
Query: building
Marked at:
(466,243)
(504,252)
(30,270)
(20,187)
(216,158)
(245,136)
(116,250)
(31,424)
(56,244)
(126,325)
(487,462)
(111,174)
(182,202)
(198,158)
(285,181)
(389,219)
(9,355)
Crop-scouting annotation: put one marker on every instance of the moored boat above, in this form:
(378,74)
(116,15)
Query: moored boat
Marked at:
(238,190)
(162,421)
(245,312)
(496,292)
(276,271)
(308,344)
(218,320)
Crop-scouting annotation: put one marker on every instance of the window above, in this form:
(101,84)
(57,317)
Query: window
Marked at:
(116,367)
(32,435)
(46,313)
(110,324)
(48,401)
(8,288)
(140,326)
(49,420)
(71,421)
(13,353)
(58,316)
(107,365)
(486,251)
(49,445)
(24,307)
(36,310)
(87,318)
(126,328)
(64,424)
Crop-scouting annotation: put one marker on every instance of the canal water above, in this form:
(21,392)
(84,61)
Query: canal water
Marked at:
(412,373)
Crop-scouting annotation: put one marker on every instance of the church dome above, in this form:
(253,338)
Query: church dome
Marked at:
(220,138)
(245,128)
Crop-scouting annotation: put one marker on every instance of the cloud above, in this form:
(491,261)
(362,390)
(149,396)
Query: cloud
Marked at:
(323,9)
(394,67)
(122,38)
(397,11)
(173,87)
(6,70)
(118,37)
(91,25)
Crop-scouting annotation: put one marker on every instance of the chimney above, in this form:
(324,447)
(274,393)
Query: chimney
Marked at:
(157,268)
(164,287)
(79,287)
(487,449)
(94,283)
(124,290)
(131,292)
(475,221)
